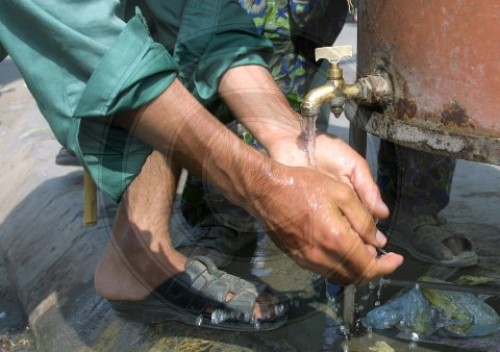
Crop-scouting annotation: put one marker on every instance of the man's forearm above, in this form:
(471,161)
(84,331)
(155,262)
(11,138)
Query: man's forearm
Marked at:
(257,102)
(178,126)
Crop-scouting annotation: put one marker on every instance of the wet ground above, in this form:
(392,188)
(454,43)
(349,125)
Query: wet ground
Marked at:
(51,259)
(326,316)
(15,334)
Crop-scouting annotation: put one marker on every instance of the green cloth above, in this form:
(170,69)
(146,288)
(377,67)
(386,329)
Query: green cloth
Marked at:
(85,61)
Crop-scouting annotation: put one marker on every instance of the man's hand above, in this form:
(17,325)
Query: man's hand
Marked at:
(335,158)
(321,223)
(353,200)
(323,219)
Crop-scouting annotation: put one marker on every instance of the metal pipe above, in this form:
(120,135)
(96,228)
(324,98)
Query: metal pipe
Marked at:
(316,97)
(367,90)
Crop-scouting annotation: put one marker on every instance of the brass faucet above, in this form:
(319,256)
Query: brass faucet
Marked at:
(366,90)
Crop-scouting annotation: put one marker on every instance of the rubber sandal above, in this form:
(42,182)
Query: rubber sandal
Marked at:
(197,297)
(423,237)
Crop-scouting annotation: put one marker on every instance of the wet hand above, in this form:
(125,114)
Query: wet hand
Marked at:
(337,159)
(320,222)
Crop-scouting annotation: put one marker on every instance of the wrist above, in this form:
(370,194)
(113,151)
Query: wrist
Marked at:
(276,129)
(261,186)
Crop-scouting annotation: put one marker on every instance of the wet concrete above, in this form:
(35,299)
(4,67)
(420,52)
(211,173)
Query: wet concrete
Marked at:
(50,256)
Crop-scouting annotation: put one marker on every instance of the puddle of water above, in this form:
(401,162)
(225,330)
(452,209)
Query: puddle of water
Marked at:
(323,327)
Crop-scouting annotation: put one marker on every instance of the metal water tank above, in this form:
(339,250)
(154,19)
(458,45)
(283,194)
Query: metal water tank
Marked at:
(443,58)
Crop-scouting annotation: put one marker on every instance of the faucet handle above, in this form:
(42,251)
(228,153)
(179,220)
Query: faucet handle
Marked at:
(333,53)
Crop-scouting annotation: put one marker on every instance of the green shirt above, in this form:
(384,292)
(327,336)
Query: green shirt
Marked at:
(85,61)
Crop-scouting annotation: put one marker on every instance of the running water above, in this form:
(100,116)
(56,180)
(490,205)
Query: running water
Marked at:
(308,126)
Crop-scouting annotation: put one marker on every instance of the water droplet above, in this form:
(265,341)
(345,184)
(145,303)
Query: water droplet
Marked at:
(377,303)
(379,291)
(279,309)
(345,347)
(199,320)
(345,331)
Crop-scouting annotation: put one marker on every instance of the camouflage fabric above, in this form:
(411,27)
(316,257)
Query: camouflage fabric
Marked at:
(276,20)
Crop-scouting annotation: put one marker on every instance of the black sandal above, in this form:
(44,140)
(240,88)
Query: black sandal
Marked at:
(197,297)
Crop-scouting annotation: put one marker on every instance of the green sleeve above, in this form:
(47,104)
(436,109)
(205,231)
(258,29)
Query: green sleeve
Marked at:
(82,73)
(213,36)
(133,71)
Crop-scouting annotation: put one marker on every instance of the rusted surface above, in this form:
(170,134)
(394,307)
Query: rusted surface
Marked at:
(442,57)
(405,109)
(454,114)
(419,134)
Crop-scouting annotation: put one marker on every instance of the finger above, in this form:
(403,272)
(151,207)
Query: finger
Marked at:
(368,191)
(357,257)
(358,216)
(381,266)
(340,254)
(372,251)
(354,261)
(363,262)
(325,265)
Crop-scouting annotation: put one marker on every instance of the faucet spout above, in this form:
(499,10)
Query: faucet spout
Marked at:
(333,93)
(316,97)
(368,90)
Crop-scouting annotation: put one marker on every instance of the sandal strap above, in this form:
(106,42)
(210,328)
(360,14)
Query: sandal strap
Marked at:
(433,239)
(203,285)
(414,222)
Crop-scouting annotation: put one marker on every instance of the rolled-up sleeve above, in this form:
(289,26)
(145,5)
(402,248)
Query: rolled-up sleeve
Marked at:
(83,62)
(214,36)
(133,71)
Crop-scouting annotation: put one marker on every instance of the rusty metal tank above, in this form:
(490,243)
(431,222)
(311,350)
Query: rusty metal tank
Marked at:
(443,58)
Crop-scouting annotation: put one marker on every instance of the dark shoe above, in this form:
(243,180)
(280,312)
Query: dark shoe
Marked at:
(66,158)
(425,237)
(198,297)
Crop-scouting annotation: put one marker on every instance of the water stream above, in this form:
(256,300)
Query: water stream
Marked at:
(308,126)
